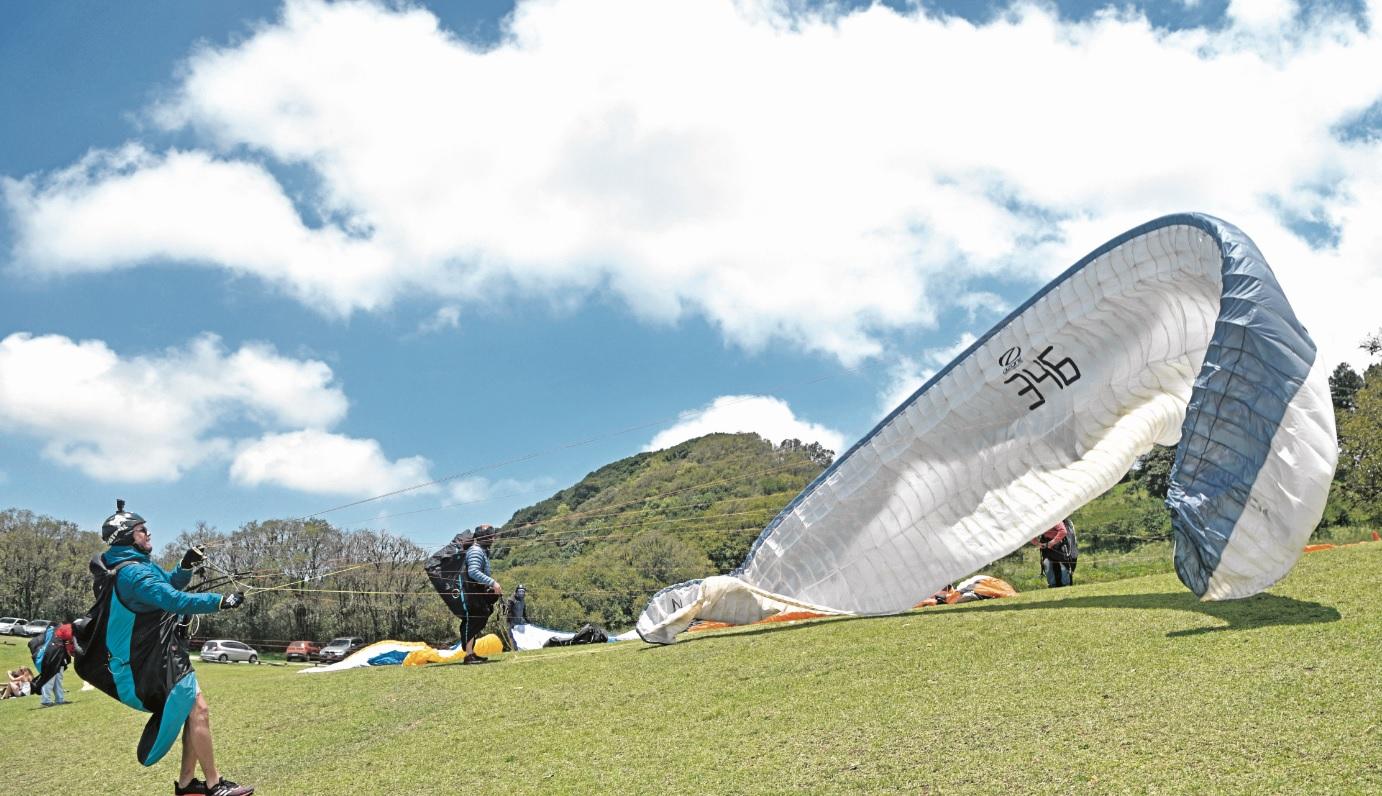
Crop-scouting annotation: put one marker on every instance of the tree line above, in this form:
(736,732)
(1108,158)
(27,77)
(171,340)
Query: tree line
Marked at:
(594,552)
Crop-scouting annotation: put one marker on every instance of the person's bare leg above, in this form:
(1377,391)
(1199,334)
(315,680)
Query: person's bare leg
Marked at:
(189,758)
(196,745)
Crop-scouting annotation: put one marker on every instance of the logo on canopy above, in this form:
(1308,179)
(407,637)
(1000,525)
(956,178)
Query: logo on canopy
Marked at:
(1012,358)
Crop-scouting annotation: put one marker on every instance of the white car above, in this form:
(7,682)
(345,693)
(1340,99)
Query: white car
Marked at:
(38,627)
(12,626)
(225,651)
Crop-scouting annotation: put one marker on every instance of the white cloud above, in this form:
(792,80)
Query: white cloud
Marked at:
(769,417)
(478,489)
(448,317)
(152,417)
(813,177)
(907,374)
(118,209)
(324,463)
(983,303)
(1261,15)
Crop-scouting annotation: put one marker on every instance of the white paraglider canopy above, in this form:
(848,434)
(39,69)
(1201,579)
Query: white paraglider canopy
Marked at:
(1174,333)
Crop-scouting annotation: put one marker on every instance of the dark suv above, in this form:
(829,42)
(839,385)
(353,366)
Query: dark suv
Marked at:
(340,648)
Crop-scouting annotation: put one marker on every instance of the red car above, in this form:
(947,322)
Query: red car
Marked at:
(303,651)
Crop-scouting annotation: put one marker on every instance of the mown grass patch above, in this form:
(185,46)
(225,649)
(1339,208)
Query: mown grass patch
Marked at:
(1129,686)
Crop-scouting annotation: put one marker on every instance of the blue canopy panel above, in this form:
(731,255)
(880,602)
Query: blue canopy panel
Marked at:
(1240,508)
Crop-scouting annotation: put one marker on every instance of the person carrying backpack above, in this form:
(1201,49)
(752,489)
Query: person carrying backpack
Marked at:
(460,572)
(132,645)
(1059,552)
(479,591)
(51,651)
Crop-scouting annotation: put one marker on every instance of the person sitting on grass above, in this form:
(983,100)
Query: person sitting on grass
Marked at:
(19,684)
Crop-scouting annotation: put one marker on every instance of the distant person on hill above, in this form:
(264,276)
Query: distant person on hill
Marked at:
(1059,551)
(479,591)
(133,646)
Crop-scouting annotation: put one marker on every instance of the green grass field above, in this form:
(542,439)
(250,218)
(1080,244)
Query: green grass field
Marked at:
(1124,687)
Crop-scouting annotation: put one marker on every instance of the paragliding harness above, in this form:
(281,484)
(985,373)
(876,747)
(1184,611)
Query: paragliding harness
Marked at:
(139,659)
(588,634)
(444,571)
(1067,550)
(1058,562)
(49,656)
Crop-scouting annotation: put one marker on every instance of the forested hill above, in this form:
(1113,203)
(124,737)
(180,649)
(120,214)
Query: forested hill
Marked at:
(595,551)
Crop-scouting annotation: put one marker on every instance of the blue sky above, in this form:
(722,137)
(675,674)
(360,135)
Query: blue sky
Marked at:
(264,260)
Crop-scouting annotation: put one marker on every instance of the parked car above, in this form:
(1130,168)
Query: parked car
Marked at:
(225,651)
(12,626)
(339,648)
(303,651)
(37,626)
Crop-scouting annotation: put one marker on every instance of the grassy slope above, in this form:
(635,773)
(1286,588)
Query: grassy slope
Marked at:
(1130,686)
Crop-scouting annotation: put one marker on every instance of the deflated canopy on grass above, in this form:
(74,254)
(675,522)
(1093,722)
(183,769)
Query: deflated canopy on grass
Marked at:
(1174,333)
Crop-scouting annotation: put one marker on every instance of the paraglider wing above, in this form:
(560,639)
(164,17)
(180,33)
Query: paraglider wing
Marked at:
(1174,333)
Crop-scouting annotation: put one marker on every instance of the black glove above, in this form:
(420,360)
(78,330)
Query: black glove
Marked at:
(232,600)
(193,559)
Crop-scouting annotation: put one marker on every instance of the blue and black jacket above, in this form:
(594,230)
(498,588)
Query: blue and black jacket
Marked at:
(50,657)
(132,646)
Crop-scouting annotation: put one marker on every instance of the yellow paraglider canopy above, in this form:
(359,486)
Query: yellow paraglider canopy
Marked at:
(488,644)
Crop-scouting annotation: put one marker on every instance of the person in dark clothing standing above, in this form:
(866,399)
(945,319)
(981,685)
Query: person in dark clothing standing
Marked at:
(133,646)
(1059,552)
(479,591)
(518,609)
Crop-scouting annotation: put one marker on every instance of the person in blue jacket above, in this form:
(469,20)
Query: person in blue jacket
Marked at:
(479,591)
(133,646)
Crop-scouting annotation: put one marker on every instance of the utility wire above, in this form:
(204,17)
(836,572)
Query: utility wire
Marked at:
(555,449)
